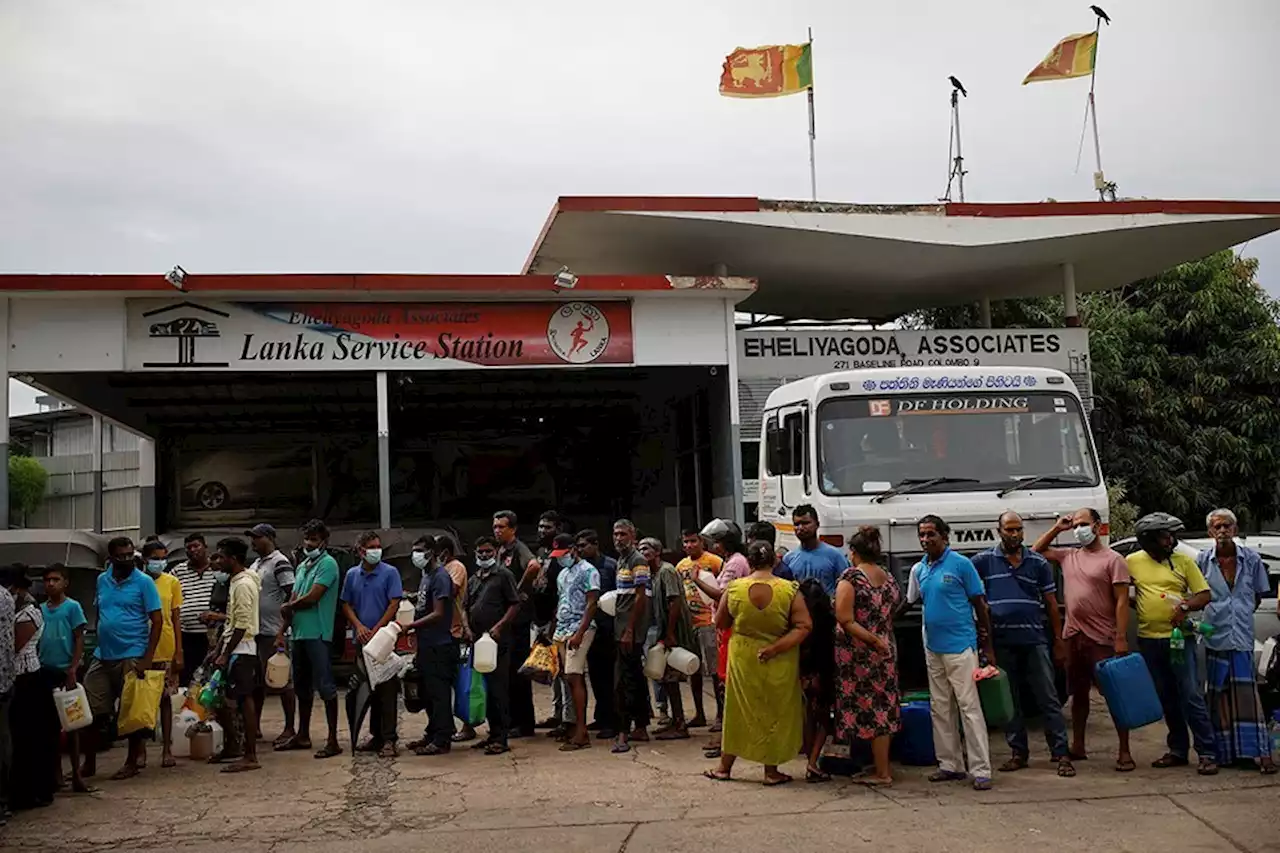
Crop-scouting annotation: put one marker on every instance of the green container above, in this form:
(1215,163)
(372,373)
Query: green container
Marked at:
(917,696)
(997,699)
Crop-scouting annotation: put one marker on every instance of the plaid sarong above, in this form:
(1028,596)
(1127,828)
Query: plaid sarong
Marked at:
(1239,725)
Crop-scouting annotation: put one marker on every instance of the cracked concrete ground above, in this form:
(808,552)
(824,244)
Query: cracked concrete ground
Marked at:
(652,799)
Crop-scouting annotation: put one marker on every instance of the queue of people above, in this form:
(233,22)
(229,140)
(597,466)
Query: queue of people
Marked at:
(799,648)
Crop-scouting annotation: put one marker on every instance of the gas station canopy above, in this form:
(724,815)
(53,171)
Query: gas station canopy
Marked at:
(829,261)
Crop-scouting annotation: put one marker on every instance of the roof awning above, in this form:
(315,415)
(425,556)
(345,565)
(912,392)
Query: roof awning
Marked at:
(829,261)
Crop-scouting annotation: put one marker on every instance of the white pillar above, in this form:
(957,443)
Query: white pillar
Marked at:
(384,452)
(984,312)
(97,472)
(147,521)
(4,421)
(1070,313)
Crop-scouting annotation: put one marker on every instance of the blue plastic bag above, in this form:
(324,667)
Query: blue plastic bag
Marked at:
(469,695)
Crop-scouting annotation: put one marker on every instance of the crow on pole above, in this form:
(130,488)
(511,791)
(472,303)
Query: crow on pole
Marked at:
(959,87)
(1102,16)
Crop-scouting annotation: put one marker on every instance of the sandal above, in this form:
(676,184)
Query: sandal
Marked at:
(242,767)
(620,748)
(1018,762)
(463,737)
(811,775)
(1169,760)
(1207,767)
(292,743)
(716,775)
(389,750)
(430,749)
(126,772)
(574,746)
(780,779)
(1126,765)
(326,751)
(711,752)
(1065,769)
(947,776)
(496,749)
(168,762)
(673,734)
(481,744)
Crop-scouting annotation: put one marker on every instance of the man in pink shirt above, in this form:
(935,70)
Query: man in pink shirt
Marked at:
(1096,581)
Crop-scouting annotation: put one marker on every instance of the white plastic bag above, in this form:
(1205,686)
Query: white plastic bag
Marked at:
(395,666)
(1264,659)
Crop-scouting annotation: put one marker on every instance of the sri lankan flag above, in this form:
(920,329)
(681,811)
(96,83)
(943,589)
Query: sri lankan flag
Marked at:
(767,72)
(1074,56)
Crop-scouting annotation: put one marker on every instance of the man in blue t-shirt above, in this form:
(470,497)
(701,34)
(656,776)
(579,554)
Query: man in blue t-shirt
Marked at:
(952,592)
(371,595)
(129,627)
(437,659)
(814,558)
(1020,588)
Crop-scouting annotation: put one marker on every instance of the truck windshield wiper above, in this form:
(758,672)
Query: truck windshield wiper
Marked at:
(917,484)
(1043,478)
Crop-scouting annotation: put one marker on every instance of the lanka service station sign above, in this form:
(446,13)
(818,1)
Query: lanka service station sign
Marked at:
(189,335)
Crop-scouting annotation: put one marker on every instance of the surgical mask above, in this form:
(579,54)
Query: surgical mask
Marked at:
(312,553)
(487,564)
(155,567)
(373,556)
(566,561)
(1085,535)
(420,559)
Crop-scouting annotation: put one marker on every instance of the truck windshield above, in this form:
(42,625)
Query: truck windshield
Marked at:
(868,445)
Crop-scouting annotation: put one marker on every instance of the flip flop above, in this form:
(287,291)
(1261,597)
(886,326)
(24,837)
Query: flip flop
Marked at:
(620,748)
(872,782)
(1065,768)
(293,743)
(814,776)
(496,749)
(461,737)
(283,739)
(571,746)
(711,752)
(168,761)
(1127,766)
(124,773)
(716,775)
(673,734)
(483,744)
(780,779)
(327,751)
(1169,760)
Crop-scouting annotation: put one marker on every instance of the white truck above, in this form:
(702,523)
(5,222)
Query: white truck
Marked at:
(885,447)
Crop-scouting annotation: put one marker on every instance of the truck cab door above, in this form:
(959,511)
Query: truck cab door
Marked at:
(787,457)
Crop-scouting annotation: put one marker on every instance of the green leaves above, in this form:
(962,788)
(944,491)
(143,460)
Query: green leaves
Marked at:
(27,482)
(1186,372)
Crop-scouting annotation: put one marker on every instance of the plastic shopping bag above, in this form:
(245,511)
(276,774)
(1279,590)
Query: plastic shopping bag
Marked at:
(542,665)
(140,702)
(469,697)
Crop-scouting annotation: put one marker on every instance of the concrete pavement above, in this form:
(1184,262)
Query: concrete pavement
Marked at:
(653,799)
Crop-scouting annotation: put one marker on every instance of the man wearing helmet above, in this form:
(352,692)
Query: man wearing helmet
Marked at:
(1169,586)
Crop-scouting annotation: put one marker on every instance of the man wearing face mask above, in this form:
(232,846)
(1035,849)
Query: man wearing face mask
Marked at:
(437,658)
(371,594)
(493,605)
(310,614)
(1020,593)
(169,652)
(276,574)
(1095,583)
(1170,586)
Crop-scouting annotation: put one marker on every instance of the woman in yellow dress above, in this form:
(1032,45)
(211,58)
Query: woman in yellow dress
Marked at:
(763,709)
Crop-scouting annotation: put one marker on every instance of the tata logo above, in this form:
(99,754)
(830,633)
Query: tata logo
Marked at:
(963,537)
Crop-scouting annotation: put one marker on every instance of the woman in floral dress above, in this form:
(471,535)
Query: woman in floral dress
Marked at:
(866,656)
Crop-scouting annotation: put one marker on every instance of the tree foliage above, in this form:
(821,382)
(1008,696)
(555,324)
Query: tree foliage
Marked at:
(27,483)
(1186,381)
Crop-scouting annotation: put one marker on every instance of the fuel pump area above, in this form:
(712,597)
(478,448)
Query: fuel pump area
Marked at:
(399,400)
(623,372)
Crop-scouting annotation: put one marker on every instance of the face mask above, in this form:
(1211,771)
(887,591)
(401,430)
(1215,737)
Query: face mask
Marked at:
(1085,535)
(312,553)
(566,561)
(124,563)
(373,556)
(486,564)
(420,559)
(155,567)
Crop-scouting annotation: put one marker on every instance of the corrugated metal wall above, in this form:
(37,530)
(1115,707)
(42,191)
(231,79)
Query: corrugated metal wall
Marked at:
(69,498)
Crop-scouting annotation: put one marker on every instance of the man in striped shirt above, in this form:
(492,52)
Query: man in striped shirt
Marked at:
(198,579)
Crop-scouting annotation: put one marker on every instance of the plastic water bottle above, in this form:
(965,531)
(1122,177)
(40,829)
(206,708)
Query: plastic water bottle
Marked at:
(1177,646)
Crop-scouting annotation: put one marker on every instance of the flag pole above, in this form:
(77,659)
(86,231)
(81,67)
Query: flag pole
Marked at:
(1106,190)
(813,134)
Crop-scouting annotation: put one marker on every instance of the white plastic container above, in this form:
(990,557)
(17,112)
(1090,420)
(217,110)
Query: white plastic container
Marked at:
(404,613)
(1264,656)
(655,661)
(277,671)
(683,660)
(609,602)
(710,580)
(73,708)
(181,743)
(484,655)
(202,745)
(383,642)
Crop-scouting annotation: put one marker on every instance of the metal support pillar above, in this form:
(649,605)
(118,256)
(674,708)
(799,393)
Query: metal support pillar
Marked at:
(984,312)
(1070,313)
(384,452)
(147,521)
(97,472)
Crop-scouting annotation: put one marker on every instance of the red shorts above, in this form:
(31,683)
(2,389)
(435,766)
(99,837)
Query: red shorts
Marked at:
(1083,655)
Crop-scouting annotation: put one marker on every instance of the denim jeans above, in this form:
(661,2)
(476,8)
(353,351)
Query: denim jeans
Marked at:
(1030,666)
(1178,685)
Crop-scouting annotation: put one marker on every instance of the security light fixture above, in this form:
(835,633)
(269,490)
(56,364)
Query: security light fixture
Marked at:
(566,280)
(176,276)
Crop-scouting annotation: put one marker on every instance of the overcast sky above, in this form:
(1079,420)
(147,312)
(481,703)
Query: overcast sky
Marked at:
(423,137)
